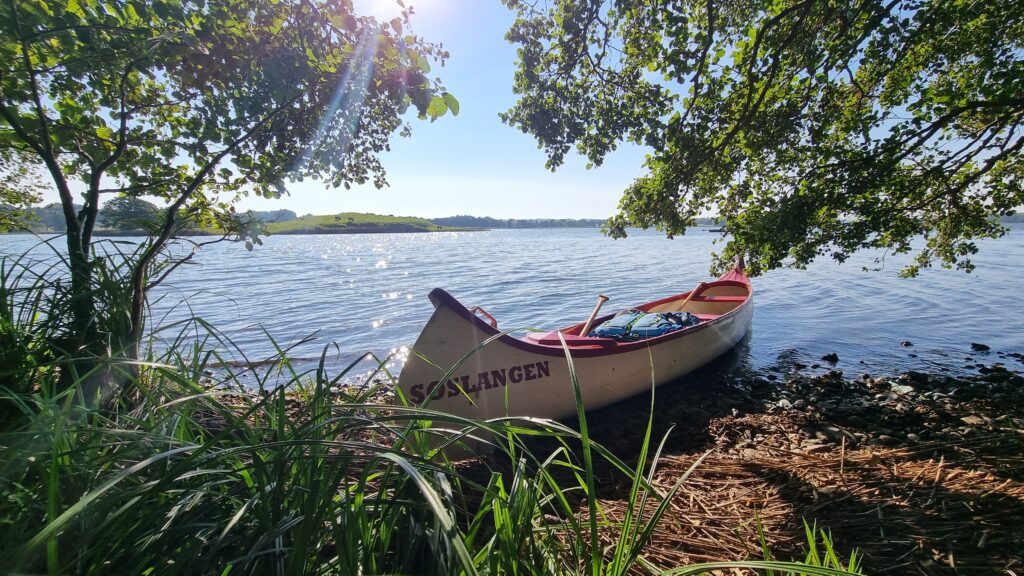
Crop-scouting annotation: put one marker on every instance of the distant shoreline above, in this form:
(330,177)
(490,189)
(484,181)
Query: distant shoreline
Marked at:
(398,229)
(296,232)
(383,229)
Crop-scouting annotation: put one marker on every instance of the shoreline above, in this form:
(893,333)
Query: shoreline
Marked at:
(300,232)
(919,472)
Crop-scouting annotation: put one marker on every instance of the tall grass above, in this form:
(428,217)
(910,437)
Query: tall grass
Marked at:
(184,475)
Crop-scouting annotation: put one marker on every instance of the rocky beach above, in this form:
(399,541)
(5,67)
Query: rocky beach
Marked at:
(916,473)
(920,473)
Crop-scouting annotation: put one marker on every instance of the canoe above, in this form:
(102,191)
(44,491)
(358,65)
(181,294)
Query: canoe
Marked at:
(463,364)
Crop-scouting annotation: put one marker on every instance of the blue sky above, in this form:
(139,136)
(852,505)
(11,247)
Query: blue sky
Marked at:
(472,163)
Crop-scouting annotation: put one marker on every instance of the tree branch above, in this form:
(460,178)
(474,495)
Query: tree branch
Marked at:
(139,272)
(92,204)
(46,146)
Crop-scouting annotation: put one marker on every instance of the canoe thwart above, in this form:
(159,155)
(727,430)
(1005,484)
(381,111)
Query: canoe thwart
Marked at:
(551,339)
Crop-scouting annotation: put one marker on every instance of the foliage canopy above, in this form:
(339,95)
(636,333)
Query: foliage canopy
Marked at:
(194,104)
(814,127)
(128,213)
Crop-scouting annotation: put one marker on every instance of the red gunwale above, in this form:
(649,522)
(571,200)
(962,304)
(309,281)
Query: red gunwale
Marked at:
(601,347)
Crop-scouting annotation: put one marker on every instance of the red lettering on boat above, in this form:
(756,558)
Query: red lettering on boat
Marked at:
(499,377)
(458,382)
(483,381)
(437,389)
(529,370)
(515,374)
(542,369)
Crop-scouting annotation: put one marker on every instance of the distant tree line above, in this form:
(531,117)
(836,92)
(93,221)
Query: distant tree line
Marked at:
(488,222)
(122,214)
(130,214)
(273,215)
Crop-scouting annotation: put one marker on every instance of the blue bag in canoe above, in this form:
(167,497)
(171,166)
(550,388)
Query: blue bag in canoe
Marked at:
(638,325)
(651,325)
(617,327)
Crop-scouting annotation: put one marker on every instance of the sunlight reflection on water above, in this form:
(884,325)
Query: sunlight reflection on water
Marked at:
(368,293)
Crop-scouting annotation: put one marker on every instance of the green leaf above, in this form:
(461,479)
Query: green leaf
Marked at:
(437,107)
(419,61)
(452,102)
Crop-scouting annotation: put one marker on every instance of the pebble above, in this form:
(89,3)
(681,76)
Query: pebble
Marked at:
(815,448)
(784,404)
(831,357)
(833,433)
(979,347)
(902,389)
(915,377)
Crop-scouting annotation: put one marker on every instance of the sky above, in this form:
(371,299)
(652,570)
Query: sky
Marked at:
(471,163)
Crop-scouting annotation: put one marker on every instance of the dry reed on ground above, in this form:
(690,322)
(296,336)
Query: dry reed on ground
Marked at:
(930,509)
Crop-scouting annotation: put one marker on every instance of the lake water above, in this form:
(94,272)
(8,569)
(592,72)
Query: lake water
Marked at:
(367,293)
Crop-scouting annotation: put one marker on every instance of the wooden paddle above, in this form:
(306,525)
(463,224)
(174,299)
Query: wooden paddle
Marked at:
(700,286)
(601,299)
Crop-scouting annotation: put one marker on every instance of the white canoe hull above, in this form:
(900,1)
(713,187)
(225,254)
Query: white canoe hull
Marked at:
(508,376)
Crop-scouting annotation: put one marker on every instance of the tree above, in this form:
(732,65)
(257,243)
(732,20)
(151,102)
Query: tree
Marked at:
(129,213)
(50,217)
(20,187)
(196,104)
(813,127)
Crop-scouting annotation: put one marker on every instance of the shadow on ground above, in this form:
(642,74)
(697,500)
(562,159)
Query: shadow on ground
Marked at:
(921,473)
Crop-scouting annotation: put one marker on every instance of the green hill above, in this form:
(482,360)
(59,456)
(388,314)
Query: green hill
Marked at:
(353,223)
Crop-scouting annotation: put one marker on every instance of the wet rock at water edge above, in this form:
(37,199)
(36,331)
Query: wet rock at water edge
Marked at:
(831,357)
(901,389)
(914,377)
(979,347)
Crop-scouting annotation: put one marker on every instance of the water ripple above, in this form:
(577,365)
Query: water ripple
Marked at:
(368,293)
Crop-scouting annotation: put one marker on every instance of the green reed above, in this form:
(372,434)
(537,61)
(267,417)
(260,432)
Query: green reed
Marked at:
(186,475)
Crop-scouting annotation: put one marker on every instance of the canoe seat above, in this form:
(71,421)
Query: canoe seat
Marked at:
(551,339)
(718,299)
